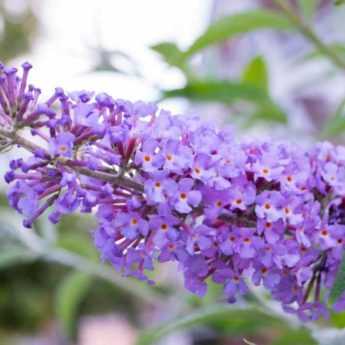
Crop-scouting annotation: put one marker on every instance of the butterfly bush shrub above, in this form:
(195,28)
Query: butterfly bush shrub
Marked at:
(173,188)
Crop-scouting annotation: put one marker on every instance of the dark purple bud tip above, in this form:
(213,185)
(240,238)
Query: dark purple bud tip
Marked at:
(40,153)
(28,97)
(26,66)
(16,163)
(9,176)
(59,92)
(10,70)
(54,217)
(27,223)
(25,167)
(84,98)
(104,99)
(44,109)
(13,164)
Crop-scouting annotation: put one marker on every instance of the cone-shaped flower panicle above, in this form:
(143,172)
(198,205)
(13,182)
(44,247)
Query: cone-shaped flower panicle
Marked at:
(174,188)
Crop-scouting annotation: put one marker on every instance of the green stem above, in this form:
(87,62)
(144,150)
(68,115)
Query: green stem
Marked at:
(41,249)
(82,264)
(308,33)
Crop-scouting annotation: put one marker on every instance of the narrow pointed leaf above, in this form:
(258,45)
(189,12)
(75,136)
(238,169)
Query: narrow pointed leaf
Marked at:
(170,53)
(336,124)
(308,8)
(228,92)
(295,336)
(255,73)
(240,320)
(339,285)
(217,91)
(69,297)
(236,24)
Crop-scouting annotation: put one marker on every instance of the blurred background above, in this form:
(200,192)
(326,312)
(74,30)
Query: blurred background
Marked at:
(239,63)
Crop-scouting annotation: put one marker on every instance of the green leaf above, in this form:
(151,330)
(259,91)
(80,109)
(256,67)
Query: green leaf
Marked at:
(337,48)
(69,296)
(299,336)
(170,53)
(339,285)
(235,321)
(308,8)
(336,124)
(338,320)
(227,92)
(339,2)
(217,91)
(78,240)
(334,127)
(236,24)
(255,73)
(78,243)
(12,255)
(268,112)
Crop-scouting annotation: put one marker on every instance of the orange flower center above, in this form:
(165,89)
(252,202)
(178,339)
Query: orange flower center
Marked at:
(324,232)
(63,148)
(183,196)
(265,171)
(267,206)
(268,225)
(264,270)
(219,203)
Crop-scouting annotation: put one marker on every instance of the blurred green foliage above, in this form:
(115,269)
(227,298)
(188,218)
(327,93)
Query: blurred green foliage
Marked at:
(33,291)
(256,73)
(338,320)
(235,24)
(253,88)
(308,8)
(335,126)
(229,321)
(25,292)
(70,294)
(74,235)
(339,284)
(17,32)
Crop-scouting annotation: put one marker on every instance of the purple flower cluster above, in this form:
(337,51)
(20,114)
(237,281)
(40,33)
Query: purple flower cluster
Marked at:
(172,188)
